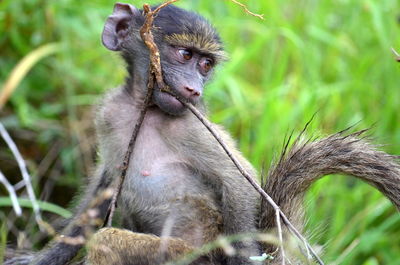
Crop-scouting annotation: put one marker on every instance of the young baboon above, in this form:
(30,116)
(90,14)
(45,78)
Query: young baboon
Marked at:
(181,190)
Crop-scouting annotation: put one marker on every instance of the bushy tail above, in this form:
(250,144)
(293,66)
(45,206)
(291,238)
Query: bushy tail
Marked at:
(307,161)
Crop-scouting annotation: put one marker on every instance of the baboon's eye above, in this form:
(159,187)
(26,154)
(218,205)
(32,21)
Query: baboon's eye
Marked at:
(186,54)
(206,64)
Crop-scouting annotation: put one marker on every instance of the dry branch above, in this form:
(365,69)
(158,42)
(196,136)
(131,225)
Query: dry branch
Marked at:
(260,16)
(245,174)
(155,75)
(13,196)
(128,154)
(24,172)
(148,39)
(278,224)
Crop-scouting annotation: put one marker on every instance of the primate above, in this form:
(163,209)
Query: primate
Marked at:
(181,189)
(179,182)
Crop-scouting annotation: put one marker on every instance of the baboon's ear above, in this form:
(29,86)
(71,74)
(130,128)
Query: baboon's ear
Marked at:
(117,25)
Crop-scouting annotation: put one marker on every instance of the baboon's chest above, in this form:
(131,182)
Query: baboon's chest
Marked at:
(164,195)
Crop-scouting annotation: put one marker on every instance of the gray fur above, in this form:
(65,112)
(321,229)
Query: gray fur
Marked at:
(186,166)
(180,183)
(307,161)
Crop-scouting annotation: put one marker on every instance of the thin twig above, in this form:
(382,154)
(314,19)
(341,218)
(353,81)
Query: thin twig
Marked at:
(245,174)
(128,154)
(250,179)
(278,224)
(154,75)
(24,172)
(260,16)
(148,39)
(13,195)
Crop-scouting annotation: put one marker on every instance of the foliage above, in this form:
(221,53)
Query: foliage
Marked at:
(329,58)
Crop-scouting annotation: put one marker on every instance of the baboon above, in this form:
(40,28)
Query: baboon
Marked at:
(181,190)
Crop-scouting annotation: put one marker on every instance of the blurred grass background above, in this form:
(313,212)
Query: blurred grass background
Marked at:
(331,58)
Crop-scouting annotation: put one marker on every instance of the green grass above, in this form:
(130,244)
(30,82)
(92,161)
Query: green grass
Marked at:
(331,58)
(44,206)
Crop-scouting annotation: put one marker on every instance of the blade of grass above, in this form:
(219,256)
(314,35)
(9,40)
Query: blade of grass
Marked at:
(45,206)
(23,67)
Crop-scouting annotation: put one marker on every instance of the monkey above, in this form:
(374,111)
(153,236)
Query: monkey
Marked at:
(170,190)
(181,188)
(297,168)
